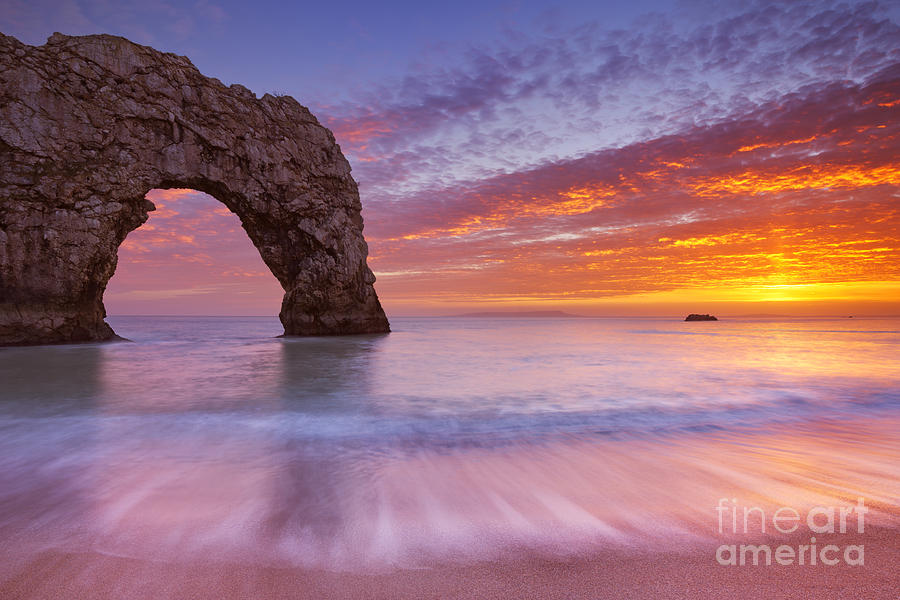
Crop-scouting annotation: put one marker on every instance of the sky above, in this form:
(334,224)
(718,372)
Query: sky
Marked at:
(603,158)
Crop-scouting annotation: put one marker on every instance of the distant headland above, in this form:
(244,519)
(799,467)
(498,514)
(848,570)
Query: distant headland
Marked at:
(511,314)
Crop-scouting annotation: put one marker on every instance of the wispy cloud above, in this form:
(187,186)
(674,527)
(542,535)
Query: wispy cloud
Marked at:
(561,95)
(144,21)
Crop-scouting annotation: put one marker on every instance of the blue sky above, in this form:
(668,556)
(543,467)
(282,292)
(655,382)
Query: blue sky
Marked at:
(318,50)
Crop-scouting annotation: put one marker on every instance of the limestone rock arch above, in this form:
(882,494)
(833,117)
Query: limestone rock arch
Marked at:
(89,125)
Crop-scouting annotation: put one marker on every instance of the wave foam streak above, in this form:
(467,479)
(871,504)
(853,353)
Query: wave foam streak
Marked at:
(173,494)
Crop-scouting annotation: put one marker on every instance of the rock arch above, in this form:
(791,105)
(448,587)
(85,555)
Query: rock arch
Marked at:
(89,125)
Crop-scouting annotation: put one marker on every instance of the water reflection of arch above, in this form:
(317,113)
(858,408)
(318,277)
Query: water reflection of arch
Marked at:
(328,374)
(326,387)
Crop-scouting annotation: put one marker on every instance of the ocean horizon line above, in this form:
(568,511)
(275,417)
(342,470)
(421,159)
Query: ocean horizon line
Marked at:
(568,316)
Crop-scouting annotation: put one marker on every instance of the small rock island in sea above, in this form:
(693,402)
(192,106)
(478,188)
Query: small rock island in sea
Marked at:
(696,317)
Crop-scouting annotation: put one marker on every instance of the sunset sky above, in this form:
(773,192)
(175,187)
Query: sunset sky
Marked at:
(637,158)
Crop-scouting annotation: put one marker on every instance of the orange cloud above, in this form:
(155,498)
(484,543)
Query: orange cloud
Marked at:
(752,147)
(803,177)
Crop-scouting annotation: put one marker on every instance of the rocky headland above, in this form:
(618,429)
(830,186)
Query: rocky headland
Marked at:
(89,125)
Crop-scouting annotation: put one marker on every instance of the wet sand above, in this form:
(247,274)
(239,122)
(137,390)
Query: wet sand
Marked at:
(663,546)
(621,574)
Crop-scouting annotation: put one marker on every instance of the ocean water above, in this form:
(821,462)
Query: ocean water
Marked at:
(449,439)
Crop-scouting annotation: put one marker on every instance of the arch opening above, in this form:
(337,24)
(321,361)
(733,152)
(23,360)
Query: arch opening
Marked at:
(192,257)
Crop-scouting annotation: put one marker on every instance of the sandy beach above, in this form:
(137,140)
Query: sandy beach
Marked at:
(690,575)
(604,543)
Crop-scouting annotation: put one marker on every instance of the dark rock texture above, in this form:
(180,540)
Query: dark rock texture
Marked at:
(89,125)
(696,317)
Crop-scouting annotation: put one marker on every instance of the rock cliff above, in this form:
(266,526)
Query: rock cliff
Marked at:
(89,125)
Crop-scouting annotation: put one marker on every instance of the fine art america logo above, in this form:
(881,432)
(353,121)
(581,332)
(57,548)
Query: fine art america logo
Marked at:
(819,520)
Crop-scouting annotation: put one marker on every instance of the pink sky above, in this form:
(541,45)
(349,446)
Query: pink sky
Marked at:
(191,258)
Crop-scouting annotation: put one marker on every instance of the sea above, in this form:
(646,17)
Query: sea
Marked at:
(449,439)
